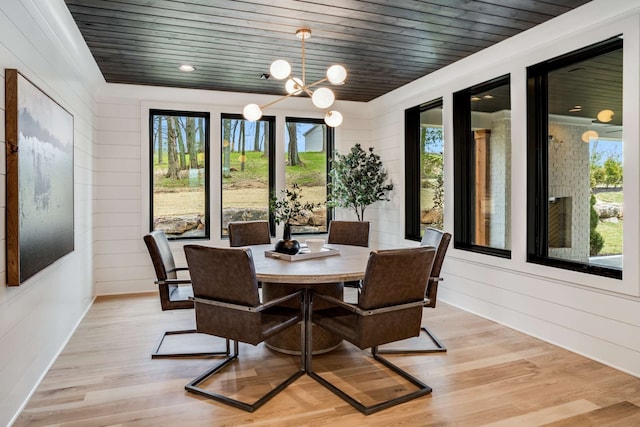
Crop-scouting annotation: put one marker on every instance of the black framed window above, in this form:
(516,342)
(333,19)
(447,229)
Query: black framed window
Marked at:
(308,148)
(179,173)
(482,168)
(424,169)
(575,160)
(248,169)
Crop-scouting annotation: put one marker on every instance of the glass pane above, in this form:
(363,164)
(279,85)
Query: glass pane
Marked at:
(245,171)
(306,146)
(179,174)
(586,161)
(431,169)
(491,154)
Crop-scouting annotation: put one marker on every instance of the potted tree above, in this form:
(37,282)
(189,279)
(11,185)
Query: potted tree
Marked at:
(358,179)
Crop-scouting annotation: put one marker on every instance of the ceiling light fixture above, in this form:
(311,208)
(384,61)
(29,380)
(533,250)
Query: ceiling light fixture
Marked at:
(322,97)
(186,68)
(575,109)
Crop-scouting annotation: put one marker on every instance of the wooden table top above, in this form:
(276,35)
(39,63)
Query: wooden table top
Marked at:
(349,265)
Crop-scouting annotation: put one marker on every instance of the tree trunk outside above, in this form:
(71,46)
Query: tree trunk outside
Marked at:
(181,146)
(173,168)
(294,158)
(191,142)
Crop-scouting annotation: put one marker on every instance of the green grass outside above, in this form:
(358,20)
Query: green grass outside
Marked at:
(610,197)
(612,235)
(256,170)
(611,232)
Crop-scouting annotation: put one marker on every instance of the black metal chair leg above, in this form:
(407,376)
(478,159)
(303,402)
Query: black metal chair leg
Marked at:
(158,355)
(249,407)
(439,346)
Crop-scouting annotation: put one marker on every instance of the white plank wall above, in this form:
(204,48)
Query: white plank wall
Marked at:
(597,317)
(41,41)
(591,315)
(122,262)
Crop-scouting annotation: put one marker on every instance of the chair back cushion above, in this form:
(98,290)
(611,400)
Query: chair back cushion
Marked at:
(161,255)
(396,276)
(223,274)
(393,277)
(354,233)
(245,233)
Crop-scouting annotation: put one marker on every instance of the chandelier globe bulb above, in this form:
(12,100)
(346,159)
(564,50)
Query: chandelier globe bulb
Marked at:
(280,69)
(333,118)
(294,86)
(337,74)
(323,98)
(252,112)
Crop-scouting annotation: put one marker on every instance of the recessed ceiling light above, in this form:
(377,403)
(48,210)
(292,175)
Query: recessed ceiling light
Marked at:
(575,108)
(488,96)
(186,68)
(475,98)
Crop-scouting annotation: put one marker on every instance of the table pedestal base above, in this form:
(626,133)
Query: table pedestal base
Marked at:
(288,341)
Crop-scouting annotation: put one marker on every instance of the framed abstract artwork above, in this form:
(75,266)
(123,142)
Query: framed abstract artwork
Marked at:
(39,181)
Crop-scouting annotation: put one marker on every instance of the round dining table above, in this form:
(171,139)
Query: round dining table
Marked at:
(326,275)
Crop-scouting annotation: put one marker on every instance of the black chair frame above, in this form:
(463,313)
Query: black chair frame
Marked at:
(422,388)
(249,407)
(156,243)
(432,290)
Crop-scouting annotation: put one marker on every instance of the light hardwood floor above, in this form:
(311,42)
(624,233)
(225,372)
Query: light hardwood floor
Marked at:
(491,375)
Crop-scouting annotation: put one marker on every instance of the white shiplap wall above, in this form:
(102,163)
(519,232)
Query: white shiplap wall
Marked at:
(40,39)
(591,315)
(122,262)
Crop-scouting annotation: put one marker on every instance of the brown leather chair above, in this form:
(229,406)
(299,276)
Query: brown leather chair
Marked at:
(439,240)
(246,233)
(174,292)
(228,305)
(354,233)
(389,309)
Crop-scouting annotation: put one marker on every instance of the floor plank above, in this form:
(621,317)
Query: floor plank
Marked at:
(491,375)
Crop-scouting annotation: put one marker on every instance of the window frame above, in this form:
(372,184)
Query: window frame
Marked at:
(538,158)
(271,156)
(463,170)
(207,169)
(412,167)
(331,136)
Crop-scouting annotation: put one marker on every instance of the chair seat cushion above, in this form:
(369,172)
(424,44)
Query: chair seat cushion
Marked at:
(342,322)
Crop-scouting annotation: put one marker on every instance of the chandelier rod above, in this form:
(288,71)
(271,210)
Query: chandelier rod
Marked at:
(304,88)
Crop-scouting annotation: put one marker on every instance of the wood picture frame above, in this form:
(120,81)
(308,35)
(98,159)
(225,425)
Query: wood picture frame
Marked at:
(39,180)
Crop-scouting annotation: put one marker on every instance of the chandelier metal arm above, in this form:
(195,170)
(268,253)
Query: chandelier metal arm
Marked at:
(262,107)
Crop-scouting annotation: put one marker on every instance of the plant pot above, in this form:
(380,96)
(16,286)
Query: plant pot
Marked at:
(287,245)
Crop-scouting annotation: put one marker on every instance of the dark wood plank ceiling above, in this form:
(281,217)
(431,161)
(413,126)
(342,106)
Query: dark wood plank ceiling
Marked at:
(384,44)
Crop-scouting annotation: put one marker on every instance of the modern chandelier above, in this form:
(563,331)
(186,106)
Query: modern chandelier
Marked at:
(322,98)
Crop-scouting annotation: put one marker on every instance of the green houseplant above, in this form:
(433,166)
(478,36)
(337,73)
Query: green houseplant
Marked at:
(286,208)
(358,179)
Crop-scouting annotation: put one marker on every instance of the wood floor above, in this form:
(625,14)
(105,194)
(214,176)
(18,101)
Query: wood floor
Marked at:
(491,375)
